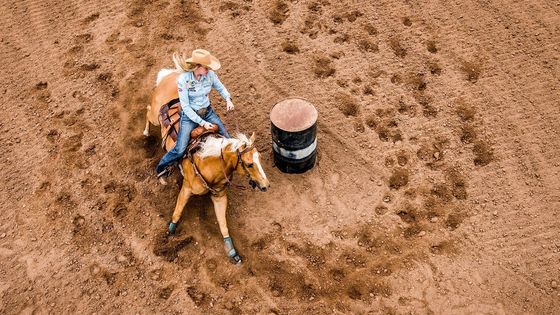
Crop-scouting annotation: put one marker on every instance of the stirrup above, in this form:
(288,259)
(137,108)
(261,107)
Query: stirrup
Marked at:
(181,170)
(164,174)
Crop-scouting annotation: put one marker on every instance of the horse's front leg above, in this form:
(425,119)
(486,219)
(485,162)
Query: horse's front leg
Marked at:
(182,200)
(220,206)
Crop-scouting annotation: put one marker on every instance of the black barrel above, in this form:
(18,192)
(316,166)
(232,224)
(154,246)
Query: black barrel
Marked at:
(294,135)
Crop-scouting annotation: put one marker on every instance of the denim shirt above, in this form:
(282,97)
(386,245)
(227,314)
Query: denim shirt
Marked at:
(193,93)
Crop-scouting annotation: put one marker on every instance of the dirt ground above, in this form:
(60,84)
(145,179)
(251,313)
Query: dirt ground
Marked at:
(436,190)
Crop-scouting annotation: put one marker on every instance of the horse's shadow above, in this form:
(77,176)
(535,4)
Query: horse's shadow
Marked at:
(199,225)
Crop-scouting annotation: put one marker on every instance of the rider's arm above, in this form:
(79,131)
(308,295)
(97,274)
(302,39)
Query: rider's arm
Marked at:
(218,85)
(185,104)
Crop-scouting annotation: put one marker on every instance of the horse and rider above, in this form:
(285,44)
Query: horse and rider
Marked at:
(208,167)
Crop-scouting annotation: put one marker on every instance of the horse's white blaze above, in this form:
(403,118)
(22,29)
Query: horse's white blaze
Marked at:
(258,162)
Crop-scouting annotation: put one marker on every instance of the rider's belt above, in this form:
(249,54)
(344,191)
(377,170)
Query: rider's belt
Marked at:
(202,112)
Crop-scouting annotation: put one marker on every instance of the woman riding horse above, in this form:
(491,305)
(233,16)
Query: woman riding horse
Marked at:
(210,169)
(193,87)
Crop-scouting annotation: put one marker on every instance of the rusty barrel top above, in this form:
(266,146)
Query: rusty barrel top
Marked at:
(293,115)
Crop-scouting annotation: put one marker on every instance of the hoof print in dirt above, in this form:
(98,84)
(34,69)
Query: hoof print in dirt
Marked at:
(431,45)
(323,67)
(397,47)
(279,13)
(290,48)
(399,178)
(472,71)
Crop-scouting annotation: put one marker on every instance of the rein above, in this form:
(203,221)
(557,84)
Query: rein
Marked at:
(222,162)
(239,154)
(204,182)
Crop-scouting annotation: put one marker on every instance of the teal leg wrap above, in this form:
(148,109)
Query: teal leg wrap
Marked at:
(172,227)
(230,250)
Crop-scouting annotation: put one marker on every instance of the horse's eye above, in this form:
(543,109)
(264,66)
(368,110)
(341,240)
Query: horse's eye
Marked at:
(250,165)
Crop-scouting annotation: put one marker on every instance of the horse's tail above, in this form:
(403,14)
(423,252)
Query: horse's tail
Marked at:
(181,65)
(163,73)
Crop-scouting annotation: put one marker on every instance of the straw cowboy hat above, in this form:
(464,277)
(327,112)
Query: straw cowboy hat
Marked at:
(203,57)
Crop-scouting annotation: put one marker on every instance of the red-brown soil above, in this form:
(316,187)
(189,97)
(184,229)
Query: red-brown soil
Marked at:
(436,188)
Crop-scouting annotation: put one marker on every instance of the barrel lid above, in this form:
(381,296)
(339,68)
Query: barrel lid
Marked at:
(293,115)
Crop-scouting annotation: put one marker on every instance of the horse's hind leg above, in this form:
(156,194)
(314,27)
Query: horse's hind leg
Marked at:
(220,207)
(182,200)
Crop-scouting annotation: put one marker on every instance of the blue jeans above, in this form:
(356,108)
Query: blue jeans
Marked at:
(184,135)
(213,118)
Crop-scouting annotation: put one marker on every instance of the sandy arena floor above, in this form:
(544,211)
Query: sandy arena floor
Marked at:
(437,187)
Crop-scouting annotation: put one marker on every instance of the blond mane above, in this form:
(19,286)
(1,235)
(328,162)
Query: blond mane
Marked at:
(214,146)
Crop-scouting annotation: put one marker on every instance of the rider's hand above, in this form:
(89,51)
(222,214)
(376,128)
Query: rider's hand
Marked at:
(207,125)
(229,104)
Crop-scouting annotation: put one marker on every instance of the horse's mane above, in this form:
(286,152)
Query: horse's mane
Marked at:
(214,146)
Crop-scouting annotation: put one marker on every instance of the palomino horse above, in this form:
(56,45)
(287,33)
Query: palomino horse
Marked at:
(212,166)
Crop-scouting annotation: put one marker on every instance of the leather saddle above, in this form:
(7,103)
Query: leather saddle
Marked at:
(169,119)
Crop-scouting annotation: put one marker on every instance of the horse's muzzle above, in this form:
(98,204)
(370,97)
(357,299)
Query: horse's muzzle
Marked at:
(255,185)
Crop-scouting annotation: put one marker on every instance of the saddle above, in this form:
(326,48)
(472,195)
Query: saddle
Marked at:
(169,118)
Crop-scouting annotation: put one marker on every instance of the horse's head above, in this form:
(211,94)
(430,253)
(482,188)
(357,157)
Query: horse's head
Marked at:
(249,163)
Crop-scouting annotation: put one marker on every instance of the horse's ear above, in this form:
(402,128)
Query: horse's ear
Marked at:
(227,147)
(253,137)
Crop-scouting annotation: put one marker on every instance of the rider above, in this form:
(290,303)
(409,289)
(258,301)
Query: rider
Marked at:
(193,86)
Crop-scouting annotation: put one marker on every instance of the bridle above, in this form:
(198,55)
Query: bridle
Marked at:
(239,160)
(222,162)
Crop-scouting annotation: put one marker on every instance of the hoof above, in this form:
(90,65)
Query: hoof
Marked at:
(146,133)
(162,181)
(172,227)
(235,259)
